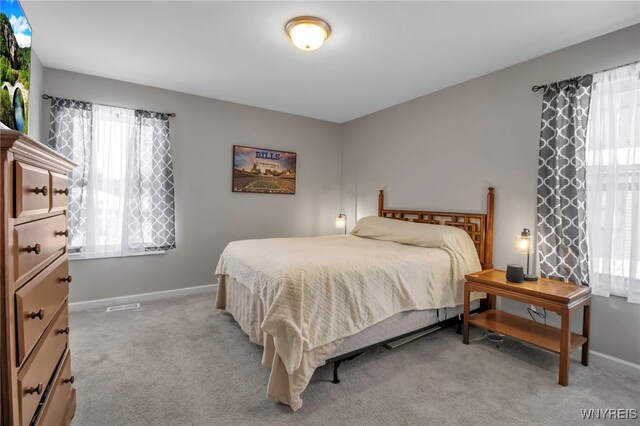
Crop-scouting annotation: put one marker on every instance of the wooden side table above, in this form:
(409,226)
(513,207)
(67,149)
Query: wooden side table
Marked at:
(555,296)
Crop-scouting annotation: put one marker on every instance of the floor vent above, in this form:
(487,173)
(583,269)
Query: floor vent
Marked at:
(123,307)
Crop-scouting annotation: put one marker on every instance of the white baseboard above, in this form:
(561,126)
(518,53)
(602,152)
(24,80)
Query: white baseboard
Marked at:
(604,360)
(144,297)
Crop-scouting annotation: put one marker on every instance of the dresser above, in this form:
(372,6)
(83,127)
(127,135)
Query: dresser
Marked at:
(35,370)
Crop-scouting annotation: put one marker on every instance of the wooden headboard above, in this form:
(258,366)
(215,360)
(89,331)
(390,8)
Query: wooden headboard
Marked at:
(478,226)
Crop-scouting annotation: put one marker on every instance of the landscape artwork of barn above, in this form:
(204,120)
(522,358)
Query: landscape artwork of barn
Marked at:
(263,170)
(15,65)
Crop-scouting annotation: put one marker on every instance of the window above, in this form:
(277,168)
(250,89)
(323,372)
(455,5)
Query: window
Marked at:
(613,183)
(121,194)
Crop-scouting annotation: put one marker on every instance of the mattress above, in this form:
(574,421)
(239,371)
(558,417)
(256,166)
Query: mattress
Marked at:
(322,289)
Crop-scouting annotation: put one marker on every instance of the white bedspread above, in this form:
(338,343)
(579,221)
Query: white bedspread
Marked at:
(318,290)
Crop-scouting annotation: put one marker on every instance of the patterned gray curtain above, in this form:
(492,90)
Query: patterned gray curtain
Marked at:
(70,133)
(151,209)
(562,233)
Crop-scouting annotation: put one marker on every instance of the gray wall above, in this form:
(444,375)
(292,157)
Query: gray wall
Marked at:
(208,214)
(441,151)
(35,93)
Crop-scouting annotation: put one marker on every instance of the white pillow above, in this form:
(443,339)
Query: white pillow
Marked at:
(449,238)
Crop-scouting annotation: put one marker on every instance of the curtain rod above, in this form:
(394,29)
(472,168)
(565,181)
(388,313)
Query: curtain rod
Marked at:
(170,114)
(544,86)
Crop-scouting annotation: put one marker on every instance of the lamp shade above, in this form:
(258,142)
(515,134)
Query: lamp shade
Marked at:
(523,242)
(307,32)
(341,221)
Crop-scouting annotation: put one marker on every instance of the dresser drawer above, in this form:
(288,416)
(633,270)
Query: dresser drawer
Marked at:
(36,244)
(57,401)
(32,189)
(59,192)
(35,374)
(37,302)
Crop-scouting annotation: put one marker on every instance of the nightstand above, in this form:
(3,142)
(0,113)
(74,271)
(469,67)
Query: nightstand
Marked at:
(555,296)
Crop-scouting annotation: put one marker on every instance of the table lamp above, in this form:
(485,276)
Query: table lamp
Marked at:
(341,222)
(524,246)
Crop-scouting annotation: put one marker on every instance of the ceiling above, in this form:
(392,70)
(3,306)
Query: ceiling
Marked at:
(379,53)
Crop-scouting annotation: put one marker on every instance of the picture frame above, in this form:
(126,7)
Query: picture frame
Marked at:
(15,65)
(263,170)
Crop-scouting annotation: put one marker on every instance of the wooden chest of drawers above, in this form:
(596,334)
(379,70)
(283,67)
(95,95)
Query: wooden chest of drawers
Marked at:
(36,383)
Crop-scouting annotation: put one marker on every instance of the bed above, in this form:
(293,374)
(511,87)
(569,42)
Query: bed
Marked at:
(308,301)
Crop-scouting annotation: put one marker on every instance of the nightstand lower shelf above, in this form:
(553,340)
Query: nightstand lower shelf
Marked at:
(541,335)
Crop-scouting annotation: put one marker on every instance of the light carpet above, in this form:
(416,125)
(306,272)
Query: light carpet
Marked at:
(181,362)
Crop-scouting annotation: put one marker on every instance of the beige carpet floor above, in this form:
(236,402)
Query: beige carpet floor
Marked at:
(181,362)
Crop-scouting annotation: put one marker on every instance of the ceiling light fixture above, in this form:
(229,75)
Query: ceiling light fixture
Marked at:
(307,32)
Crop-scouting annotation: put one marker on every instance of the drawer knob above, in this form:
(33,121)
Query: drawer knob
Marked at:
(44,190)
(61,191)
(64,233)
(38,314)
(64,330)
(66,279)
(35,389)
(71,380)
(34,249)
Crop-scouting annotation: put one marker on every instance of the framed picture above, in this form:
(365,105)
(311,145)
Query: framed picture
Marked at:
(15,66)
(263,170)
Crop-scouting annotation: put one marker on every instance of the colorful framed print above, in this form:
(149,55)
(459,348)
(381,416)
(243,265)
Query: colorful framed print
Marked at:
(263,170)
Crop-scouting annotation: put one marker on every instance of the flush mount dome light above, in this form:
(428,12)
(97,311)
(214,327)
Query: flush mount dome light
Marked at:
(307,32)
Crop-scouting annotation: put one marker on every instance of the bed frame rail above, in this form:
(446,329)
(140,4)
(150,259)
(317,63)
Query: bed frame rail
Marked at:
(439,325)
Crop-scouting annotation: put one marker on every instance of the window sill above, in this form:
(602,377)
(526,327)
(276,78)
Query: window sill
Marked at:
(80,256)
(612,296)
(613,292)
